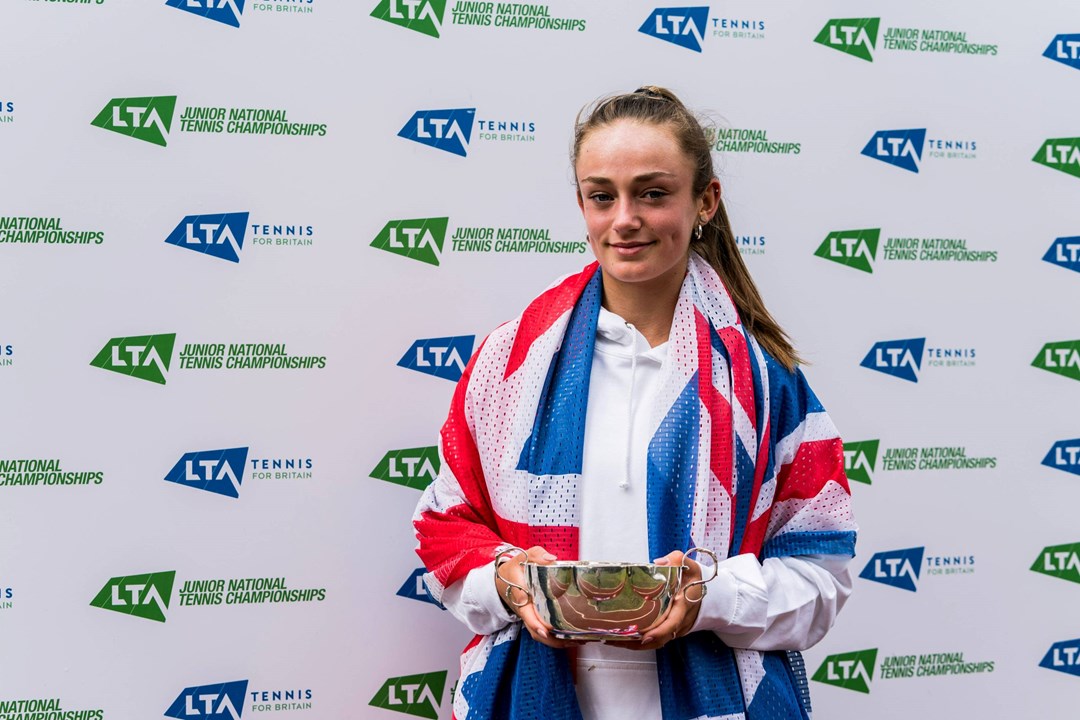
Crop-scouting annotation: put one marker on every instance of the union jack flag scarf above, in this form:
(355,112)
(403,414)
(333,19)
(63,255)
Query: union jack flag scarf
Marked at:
(744,460)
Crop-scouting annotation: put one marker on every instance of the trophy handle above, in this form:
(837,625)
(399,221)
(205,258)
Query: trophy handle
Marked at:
(509,585)
(716,569)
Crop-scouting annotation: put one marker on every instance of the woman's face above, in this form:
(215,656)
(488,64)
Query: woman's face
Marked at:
(635,189)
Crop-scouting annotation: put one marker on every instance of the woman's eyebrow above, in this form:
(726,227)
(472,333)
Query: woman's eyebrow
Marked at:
(646,177)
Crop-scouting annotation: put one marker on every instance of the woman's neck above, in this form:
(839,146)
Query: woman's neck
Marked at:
(648,306)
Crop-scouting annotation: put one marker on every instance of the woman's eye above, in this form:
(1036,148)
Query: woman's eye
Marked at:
(600,197)
(654,194)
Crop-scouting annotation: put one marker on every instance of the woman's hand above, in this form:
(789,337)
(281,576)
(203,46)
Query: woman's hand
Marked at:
(514,571)
(683,612)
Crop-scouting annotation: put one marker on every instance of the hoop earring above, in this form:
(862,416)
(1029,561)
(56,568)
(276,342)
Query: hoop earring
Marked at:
(697,232)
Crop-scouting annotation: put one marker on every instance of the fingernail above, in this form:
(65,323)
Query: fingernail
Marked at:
(660,561)
(542,633)
(549,557)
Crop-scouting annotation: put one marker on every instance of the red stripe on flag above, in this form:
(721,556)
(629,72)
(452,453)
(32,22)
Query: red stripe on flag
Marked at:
(816,462)
(741,376)
(542,314)
(754,535)
(718,408)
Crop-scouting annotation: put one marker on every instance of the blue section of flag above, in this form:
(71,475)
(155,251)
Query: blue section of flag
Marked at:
(902,148)
(555,446)
(820,542)
(522,679)
(672,474)
(216,471)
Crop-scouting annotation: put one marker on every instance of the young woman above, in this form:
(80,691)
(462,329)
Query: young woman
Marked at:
(644,406)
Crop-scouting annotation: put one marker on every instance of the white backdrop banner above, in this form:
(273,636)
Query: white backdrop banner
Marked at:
(247,246)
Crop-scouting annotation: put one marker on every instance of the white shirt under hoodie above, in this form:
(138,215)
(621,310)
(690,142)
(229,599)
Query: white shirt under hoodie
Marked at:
(782,604)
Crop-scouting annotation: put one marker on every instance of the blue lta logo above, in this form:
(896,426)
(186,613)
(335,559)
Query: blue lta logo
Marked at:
(899,358)
(443,357)
(895,568)
(216,471)
(682,26)
(1064,252)
(1064,49)
(226,12)
(446,130)
(416,589)
(221,701)
(902,148)
(220,236)
(1064,455)
(1064,657)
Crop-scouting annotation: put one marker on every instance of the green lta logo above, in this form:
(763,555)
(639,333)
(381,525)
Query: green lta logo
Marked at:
(144,596)
(143,118)
(145,357)
(854,36)
(1060,154)
(412,467)
(855,249)
(419,239)
(418,695)
(1060,561)
(851,671)
(422,16)
(860,459)
(1062,358)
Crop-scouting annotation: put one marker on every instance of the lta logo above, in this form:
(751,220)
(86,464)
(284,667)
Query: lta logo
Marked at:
(1064,657)
(1060,358)
(144,596)
(1060,561)
(853,248)
(220,236)
(446,130)
(682,26)
(145,357)
(419,239)
(221,701)
(896,568)
(851,671)
(415,589)
(226,12)
(1064,455)
(418,695)
(1064,252)
(1064,49)
(899,358)
(1060,154)
(143,118)
(422,16)
(443,357)
(216,471)
(901,148)
(854,36)
(412,467)
(860,459)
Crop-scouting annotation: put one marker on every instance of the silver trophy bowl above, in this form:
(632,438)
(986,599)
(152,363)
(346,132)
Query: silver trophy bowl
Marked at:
(584,600)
